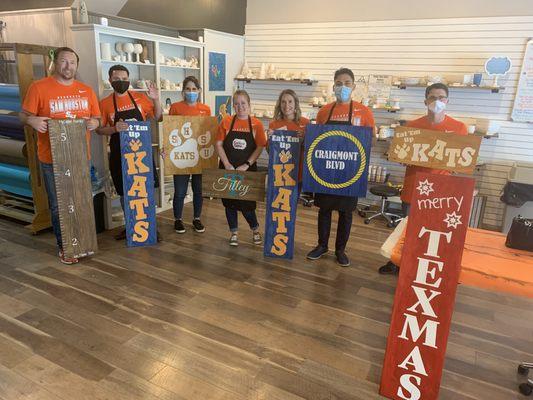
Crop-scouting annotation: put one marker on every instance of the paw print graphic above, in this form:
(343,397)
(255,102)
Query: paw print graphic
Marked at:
(284,156)
(135,144)
(187,149)
(401,151)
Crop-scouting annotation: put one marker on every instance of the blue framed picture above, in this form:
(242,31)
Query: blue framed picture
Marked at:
(222,106)
(217,72)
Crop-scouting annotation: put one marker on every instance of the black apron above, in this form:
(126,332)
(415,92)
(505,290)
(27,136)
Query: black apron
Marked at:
(332,201)
(237,157)
(115,158)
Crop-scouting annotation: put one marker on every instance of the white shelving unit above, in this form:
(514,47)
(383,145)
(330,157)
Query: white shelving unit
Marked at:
(93,71)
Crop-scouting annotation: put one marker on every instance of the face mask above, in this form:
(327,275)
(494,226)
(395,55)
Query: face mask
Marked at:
(437,107)
(191,97)
(120,86)
(343,93)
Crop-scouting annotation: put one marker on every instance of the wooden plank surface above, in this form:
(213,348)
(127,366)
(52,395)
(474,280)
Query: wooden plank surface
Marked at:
(189,144)
(73,186)
(191,318)
(434,149)
(235,185)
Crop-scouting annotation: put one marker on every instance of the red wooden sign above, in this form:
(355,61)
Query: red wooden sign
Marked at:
(425,294)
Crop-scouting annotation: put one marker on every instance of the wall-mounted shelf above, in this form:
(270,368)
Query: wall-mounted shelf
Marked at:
(128,63)
(307,82)
(493,89)
(388,109)
(485,136)
(177,66)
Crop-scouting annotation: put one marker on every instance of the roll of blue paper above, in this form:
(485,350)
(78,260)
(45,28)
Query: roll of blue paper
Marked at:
(10,126)
(9,97)
(15,179)
(7,90)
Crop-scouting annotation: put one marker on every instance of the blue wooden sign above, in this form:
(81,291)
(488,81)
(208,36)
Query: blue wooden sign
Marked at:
(138,181)
(336,159)
(282,194)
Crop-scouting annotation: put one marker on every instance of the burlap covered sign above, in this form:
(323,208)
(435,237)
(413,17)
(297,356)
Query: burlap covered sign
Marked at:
(189,144)
(434,149)
(234,184)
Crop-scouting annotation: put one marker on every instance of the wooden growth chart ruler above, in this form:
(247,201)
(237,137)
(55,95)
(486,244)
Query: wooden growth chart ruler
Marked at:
(73,186)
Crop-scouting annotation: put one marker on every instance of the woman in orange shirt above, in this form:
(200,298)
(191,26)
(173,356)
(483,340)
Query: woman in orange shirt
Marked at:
(240,140)
(288,116)
(189,106)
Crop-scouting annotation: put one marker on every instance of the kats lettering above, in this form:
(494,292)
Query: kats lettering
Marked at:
(137,190)
(282,204)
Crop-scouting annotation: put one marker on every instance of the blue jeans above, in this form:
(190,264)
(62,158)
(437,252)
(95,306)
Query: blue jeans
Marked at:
(181,182)
(233,219)
(50,186)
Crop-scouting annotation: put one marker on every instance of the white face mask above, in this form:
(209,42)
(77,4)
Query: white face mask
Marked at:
(437,107)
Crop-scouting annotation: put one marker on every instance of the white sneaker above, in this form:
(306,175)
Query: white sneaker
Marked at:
(233,240)
(256,237)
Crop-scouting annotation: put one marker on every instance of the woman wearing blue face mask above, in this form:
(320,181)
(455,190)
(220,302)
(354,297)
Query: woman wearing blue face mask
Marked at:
(189,106)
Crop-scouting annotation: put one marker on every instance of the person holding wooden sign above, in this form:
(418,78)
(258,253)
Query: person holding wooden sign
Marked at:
(288,116)
(240,141)
(120,106)
(58,96)
(343,111)
(436,119)
(189,106)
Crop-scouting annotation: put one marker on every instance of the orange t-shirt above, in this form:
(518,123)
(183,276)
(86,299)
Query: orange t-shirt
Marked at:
(447,125)
(124,103)
(292,126)
(49,98)
(182,108)
(361,115)
(289,125)
(241,125)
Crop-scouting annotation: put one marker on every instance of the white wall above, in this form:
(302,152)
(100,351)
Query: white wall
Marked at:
(283,11)
(231,45)
(447,47)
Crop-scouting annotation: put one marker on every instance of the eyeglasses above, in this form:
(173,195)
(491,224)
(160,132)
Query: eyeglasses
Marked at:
(434,98)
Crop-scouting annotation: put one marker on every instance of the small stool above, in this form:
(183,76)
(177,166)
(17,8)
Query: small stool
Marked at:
(384,191)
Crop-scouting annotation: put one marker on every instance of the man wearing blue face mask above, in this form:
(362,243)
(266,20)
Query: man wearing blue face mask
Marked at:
(120,106)
(343,111)
(436,120)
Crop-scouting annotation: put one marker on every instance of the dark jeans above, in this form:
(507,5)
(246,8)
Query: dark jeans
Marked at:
(233,219)
(50,186)
(343,228)
(405,209)
(181,182)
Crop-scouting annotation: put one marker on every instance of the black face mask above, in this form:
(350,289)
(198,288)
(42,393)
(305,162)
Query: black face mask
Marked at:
(120,86)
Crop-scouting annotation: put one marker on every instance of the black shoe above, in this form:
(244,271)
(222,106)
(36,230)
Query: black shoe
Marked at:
(342,259)
(389,269)
(317,252)
(159,237)
(178,226)
(121,235)
(198,226)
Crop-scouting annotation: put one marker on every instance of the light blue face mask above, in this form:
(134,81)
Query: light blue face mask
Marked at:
(191,97)
(343,93)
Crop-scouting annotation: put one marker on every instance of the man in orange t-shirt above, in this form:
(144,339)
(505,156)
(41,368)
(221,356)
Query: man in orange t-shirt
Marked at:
(436,120)
(344,111)
(120,106)
(58,96)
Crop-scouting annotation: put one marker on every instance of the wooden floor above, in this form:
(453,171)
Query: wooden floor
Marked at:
(192,318)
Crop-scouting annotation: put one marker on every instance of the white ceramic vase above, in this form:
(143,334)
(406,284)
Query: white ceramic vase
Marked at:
(105,51)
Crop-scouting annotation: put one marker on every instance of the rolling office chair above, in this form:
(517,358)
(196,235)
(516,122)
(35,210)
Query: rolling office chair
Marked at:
(384,191)
(526,388)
